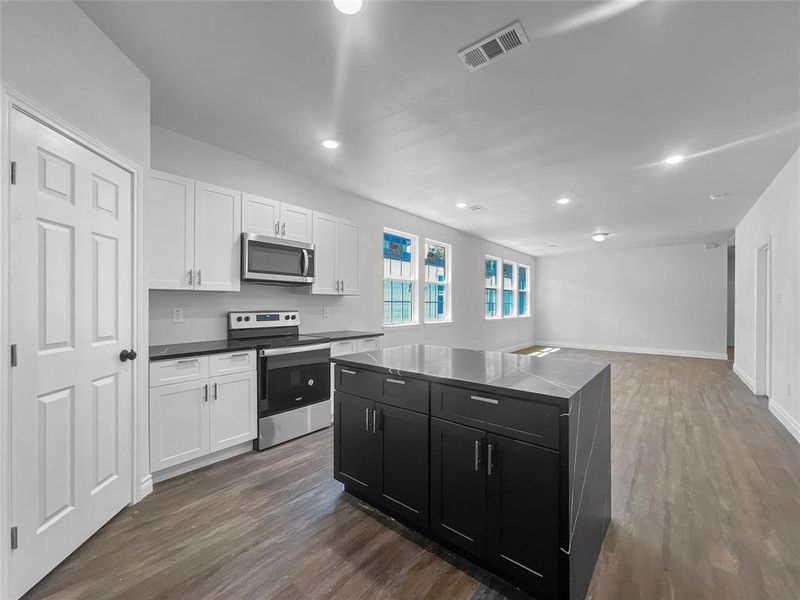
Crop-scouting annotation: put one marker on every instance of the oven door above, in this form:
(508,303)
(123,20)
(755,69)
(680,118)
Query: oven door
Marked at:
(293,377)
(274,260)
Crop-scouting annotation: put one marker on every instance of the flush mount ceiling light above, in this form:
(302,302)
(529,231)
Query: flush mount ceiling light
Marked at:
(349,7)
(719,196)
(331,144)
(461,205)
(563,201)
(674,159)
(599,237)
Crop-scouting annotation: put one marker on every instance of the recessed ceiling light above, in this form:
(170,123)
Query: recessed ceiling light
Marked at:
(461,205)
(331,144)
(563,201)
(349,7)
(719,196)
(674,159)
(599,237)
(551,246)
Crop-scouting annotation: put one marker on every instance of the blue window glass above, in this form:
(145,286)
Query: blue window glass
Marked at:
(523,303)
(491,273)
(523,278)
(508,303)
(491,302)
(435,307)
(508,275)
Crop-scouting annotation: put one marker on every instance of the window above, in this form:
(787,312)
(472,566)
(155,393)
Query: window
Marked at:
(509,289)
(399,278)
(492,288)
(523,302)
(437,282)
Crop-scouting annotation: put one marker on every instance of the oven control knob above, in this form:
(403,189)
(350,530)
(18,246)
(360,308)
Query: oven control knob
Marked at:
(294,317)
(247,318)
(286,317)
(238,318)
(310,382)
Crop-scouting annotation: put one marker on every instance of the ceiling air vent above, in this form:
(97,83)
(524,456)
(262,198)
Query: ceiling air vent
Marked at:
(476,208)
(508,39)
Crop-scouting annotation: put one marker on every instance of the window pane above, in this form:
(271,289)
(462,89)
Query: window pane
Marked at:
(435,302)
(523,279)
(396,256)
(397,306)
(491,273)
(508,275)
(491,302)
(508,303)
(523,303)
(435,262)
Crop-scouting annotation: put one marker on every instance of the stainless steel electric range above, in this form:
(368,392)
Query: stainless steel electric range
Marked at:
(294,377)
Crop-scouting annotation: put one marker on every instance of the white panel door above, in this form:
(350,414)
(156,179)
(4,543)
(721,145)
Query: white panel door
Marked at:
(233,410)
(296,223)
(70,306)
(349,257)
(169,231)
(217,234)
(260,215)
(326,244)
(178,423)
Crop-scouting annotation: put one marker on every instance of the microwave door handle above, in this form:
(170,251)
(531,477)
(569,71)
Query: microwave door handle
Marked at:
(305,262)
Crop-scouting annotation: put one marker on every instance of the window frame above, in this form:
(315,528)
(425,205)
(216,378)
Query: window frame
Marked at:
(447,283)
(498,288)
(526,291)
(413,278)
(513,289)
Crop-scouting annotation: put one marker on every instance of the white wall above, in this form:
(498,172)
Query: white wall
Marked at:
(666,300)
(204,312)
(53,54)
(775,218)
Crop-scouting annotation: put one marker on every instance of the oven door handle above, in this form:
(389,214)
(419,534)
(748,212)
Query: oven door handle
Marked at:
(292,350)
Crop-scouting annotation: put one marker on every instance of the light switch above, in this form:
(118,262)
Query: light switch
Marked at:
(177,315)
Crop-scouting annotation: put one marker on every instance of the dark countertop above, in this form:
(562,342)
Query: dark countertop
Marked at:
(169,351)
(345,334)
(496,372)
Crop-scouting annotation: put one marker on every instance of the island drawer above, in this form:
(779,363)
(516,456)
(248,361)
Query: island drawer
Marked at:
(394,390)
(526,420)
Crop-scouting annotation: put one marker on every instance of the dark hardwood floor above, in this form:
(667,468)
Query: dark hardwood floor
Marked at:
(706,505)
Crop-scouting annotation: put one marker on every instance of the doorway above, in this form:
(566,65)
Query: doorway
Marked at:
(731,300)
(763,316)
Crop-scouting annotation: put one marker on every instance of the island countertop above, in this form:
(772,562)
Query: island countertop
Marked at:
(496,371)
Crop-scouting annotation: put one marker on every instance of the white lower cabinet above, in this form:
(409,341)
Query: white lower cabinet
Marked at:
(191,419)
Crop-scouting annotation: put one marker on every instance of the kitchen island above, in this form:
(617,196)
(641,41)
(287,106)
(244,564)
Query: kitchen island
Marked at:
(504,458)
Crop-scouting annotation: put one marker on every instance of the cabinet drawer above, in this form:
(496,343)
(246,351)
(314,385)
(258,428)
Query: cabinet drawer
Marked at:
(164,372)
(520,419)
(367,344)
(358,382)
(343,347)
(405,393)
(232,362)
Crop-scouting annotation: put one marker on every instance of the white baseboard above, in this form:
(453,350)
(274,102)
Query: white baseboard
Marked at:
(638,350)
(785,418)
(516,347)
(201,462)
(746,379)
(146,486)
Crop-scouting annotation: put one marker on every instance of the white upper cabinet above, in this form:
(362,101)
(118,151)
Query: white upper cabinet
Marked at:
(264,216)
(169,231)
(336,256)
(260,215)
(192,232)
(217,235)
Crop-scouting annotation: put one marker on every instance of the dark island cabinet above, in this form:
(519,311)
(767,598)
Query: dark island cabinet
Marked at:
(381,453)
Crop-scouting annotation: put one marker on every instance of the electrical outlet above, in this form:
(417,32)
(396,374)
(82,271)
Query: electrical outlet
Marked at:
(177,315)
(326,312)
(646,338)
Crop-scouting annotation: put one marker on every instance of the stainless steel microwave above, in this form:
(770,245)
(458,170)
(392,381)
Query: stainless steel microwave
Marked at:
(276,261)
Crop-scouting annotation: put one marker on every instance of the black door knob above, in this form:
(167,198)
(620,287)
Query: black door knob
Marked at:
(126,355)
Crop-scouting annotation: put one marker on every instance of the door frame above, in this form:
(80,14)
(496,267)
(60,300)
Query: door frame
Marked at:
(762,371)
(141,478)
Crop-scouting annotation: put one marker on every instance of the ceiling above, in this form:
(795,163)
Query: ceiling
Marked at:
(603,93)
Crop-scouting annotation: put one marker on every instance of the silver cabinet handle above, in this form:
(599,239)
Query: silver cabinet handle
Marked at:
(191,277)
(477,455)
(349,372)
(205,393)
(343,286)
(487,400)
(397,381)
(374,419)
(489,459)
(186,360)
(283,229)
(238,355)
(277,228)
(366,420)
(215,392)
(199,277)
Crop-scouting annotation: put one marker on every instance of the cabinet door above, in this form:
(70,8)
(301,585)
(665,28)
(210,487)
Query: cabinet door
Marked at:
(217,234)
(458,485)
(260,215)
(233,410)
(522,501)
(349,258)
(357,460)
(326,244)
(404,462)
(296,223)
(178,423)
(169,231)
